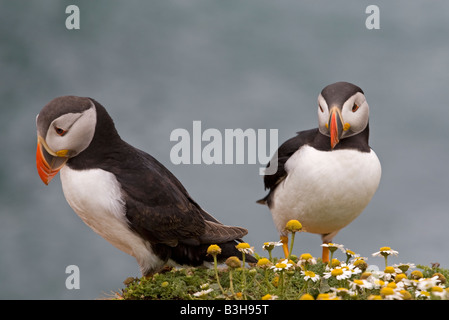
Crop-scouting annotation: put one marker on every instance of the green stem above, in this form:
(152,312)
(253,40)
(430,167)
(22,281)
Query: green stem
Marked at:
(216,274)
(291,245)
(244,276)
(282,284)
(330,260)
(230,282)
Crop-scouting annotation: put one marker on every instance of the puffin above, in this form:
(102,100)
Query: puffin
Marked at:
(325,176)
(124,194)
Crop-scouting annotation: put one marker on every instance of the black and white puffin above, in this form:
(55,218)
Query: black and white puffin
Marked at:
(123,193)
(325,176)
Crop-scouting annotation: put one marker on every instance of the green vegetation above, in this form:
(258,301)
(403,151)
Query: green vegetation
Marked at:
(303,277)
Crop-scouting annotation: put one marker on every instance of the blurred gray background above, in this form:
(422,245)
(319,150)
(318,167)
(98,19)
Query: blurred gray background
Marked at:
(160,65)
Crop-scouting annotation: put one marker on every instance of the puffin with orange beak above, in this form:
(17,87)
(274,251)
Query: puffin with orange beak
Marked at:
(123,193)
(325,176)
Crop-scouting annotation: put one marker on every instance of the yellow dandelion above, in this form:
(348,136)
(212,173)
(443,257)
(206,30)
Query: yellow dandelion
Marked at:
(416,274)
(233,262)
(213,249)
(263,263)
(386,291)
(293,226)
(306,296)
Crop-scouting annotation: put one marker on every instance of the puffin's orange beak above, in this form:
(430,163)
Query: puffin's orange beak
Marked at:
(48,163)
(335,126)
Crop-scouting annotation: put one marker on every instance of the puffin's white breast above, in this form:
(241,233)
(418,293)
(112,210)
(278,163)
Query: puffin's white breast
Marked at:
(95,195)
(325,190)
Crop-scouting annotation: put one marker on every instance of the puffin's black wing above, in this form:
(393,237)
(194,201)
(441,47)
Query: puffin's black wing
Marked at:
(159,208)
(284,152)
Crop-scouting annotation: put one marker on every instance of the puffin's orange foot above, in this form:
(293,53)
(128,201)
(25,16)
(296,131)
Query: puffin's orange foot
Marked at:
(325,255)
(284,241)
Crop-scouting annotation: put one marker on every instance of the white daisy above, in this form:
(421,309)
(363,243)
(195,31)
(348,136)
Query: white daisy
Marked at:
(282,265)
(202,293)
(405,266)
(439,292)
(427,283)
(271,245)
(339,273)
(350,254)
(385,251)
(361,284)
(310,275)
(350,267)
(333,246)
(306,258)
(422,294)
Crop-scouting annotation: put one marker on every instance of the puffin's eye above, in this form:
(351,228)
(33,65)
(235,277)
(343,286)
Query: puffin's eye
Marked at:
(60,131)
(321,109)
(355,107)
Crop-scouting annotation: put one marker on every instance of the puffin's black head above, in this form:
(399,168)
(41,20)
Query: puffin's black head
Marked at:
(342,111)
(65,127)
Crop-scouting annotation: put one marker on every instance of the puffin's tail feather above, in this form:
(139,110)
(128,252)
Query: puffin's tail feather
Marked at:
(220,233)
(264,200)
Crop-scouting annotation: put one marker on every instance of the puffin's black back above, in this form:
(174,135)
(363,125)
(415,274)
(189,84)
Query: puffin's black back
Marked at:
(158,207)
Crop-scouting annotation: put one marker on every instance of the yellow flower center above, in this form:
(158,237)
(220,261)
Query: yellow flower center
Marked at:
(336,272)
(266,297)
(358,282)
(306,296)
(389,270)
(392,285)
(268,245)
(281,265)
(242,245)
(263,262)
(440,276)
(379,282)
(405,295)
(293,226)
(365,275)
(323,296)
(306,256)
(335,263)
(310,274)
(233,262)
(361,264)
(386,291)
(437,289)
(385,249)
(213,249)
(400,276)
